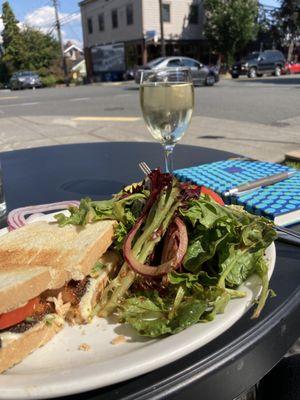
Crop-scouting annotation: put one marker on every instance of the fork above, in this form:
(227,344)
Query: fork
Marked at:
(145,167)
(288,232)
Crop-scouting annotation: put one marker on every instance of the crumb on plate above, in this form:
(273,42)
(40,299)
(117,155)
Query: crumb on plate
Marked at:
(84,347)
(118,340)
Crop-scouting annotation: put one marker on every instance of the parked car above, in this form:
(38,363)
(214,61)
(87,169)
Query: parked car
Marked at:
(291,68)
(201,74)
(25,80)
(129,74)
(258,64)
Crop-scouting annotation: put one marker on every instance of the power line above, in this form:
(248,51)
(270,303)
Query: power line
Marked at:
(69,17)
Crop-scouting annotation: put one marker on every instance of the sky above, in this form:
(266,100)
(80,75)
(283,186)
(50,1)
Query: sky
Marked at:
(40,14)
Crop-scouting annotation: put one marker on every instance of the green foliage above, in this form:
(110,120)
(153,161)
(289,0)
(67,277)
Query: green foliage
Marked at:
(48,81)
(292,164)
(288,24)
(42,50)
(4,74)
(230,25)
(26,49)
(13,44)
(289,17)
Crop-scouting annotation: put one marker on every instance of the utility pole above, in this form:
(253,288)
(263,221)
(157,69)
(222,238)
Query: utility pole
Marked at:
(63,58)
(162,36)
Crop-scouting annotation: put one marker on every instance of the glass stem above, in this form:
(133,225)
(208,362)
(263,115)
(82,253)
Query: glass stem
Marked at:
(168,151)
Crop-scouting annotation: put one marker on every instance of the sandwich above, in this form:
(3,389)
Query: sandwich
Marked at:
(49,275)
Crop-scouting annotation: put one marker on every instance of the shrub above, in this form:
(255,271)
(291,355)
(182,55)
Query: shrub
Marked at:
(49,81)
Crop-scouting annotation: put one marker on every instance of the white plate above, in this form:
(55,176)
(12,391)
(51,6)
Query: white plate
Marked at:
(60,368)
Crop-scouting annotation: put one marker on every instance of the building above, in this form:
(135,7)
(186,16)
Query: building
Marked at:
(78,71)
(73,52)
(119,34)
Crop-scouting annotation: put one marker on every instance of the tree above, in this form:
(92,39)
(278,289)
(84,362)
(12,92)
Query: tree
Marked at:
(42,50)
(27,48)
(13,44)
(267,34)
(230,25)
(288,18)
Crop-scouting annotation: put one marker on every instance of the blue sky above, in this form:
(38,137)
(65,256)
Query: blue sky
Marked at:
(39,13)
(271,2)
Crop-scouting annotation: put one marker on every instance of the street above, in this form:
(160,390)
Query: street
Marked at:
(257,118)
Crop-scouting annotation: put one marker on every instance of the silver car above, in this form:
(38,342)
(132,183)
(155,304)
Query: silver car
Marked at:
(201,74)
(25,80)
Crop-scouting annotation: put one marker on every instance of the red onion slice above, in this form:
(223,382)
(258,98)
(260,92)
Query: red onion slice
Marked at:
(163,269)
(16,218)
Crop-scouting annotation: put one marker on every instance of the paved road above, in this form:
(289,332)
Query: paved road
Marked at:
(258,118)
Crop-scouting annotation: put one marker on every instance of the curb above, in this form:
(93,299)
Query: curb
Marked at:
(226,76)
(120,83)
(293,156)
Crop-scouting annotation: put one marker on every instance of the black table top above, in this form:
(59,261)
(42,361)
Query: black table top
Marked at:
(229,364)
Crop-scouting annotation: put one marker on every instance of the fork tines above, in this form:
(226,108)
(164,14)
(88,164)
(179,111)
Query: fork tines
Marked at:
(145,167)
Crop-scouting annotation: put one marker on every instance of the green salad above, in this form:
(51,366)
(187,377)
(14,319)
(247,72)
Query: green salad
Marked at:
(185,253)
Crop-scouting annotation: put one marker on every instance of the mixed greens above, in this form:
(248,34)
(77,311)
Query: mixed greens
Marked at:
(185,254)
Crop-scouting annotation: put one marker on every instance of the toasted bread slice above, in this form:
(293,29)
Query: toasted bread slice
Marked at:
(19,284)
(15,347)
(52,256)
(71,248)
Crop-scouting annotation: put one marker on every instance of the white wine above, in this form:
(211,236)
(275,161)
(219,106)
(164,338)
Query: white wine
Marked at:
(167,109)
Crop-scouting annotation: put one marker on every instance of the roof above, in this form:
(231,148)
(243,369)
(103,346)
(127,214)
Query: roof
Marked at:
(73,46)
(84,2)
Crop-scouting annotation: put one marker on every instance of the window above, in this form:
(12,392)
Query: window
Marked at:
(114,18)
(174,63)
(155,62)
(252,56)
(190,63)
(194,14)
(90,25)
(101,22)
(166,14)
(129,14)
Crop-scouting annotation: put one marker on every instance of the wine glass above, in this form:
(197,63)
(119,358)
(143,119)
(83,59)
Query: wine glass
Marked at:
(167,102)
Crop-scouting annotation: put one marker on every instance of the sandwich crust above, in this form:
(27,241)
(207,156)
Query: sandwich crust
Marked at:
(15,351)
(47,244)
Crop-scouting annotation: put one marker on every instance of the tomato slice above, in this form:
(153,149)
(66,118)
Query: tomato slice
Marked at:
(14,317)
(213,195)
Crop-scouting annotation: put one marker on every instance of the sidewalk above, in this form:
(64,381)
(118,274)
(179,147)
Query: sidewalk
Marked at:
(265,142)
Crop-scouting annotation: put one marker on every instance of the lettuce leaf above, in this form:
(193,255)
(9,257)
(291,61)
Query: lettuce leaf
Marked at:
(153,318)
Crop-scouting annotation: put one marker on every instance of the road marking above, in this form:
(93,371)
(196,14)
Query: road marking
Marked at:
(80,99)
(19,104)
(28,104)
(110,119)
(9,98)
